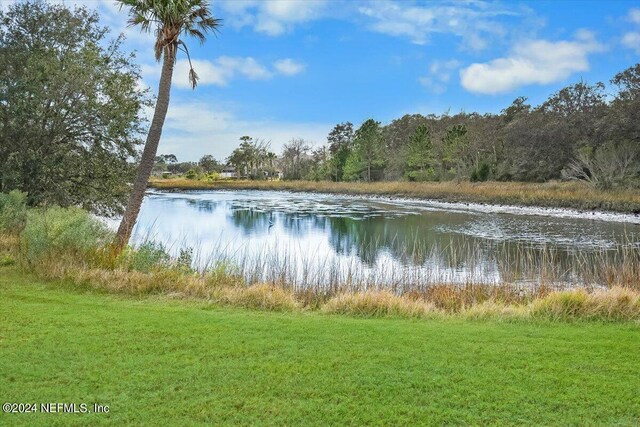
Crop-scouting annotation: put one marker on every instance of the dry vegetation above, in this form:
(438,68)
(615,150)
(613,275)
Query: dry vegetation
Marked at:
(572,195)
(617,303)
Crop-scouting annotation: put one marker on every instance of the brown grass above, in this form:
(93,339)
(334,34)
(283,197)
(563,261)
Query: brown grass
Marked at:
(261,297)
(615,304)
(491,309)
(470,301)
(8,243)
(572,195)
(378,303)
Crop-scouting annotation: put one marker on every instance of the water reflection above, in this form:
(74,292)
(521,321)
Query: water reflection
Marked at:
(390,239)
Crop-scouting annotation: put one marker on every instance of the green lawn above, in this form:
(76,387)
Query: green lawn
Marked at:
(176,363)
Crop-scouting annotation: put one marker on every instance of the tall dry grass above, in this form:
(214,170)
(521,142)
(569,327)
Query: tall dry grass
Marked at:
(469,301)
(572,195)
(377,304)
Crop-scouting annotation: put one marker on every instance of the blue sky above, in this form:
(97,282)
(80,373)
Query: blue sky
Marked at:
(284,69)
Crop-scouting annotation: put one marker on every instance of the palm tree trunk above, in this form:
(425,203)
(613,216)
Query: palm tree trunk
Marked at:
(148,155)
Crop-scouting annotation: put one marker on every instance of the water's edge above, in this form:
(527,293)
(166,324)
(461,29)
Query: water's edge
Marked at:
(456,206)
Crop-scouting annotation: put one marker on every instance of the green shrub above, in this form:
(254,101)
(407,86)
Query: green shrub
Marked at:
(213,176)
(191,174)
(7,260)
(422,175)
(13,212)
(149,256)
(56,231)
(481,173)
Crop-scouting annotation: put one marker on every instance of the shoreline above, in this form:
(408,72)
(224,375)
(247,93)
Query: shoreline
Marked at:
(521,198)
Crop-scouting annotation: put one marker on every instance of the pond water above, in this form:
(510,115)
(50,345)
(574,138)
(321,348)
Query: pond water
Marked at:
(336,240)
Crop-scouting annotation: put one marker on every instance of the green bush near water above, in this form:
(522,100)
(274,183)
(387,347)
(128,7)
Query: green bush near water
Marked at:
(56,230)
(147,257)
(13,212)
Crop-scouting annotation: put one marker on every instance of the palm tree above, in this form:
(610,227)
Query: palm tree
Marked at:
(170,19)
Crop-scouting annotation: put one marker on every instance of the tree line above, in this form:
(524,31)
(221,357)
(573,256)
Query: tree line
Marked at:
(581,132)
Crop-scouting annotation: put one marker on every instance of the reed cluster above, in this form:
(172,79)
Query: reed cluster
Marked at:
(503,302)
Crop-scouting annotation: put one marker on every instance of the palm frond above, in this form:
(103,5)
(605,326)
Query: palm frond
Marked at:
(170,19)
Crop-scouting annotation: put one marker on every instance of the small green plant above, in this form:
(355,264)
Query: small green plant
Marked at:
(149,256)
(13,212)
(7,260)
(185,259)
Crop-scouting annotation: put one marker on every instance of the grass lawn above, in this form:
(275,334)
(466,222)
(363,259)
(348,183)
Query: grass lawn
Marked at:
(157,362)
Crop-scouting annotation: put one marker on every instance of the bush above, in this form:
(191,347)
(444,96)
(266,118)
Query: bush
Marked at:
(57,231)
(481,173)
(213,176)
(191,174)
(149,256)
(422,176)
(13,212)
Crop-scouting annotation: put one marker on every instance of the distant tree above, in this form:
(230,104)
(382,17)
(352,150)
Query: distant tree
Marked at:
(209,164)
(181,168)
(615,162)
(320,167)
(340,141)
(367,159)
(70,108)
(166,158)
(420,158)
(623,118)
(294,158)
(456,150)
(169,20)
(518,107)
(252,158)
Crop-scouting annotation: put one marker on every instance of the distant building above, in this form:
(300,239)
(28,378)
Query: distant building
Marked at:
(228,172)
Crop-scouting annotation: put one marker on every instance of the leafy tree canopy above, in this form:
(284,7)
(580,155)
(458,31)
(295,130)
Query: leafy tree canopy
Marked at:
(70,108)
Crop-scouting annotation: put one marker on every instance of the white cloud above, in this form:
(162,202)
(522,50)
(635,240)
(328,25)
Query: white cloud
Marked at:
(221,71)
(196,128)
(632,41)
(272,17)
(531,62)
(473,21)
(439,75)
(289,67)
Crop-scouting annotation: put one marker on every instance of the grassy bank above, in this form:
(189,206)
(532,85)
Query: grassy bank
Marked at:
(571,195)
(155,360)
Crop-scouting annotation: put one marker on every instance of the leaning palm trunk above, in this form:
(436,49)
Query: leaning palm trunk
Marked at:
(148,155)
